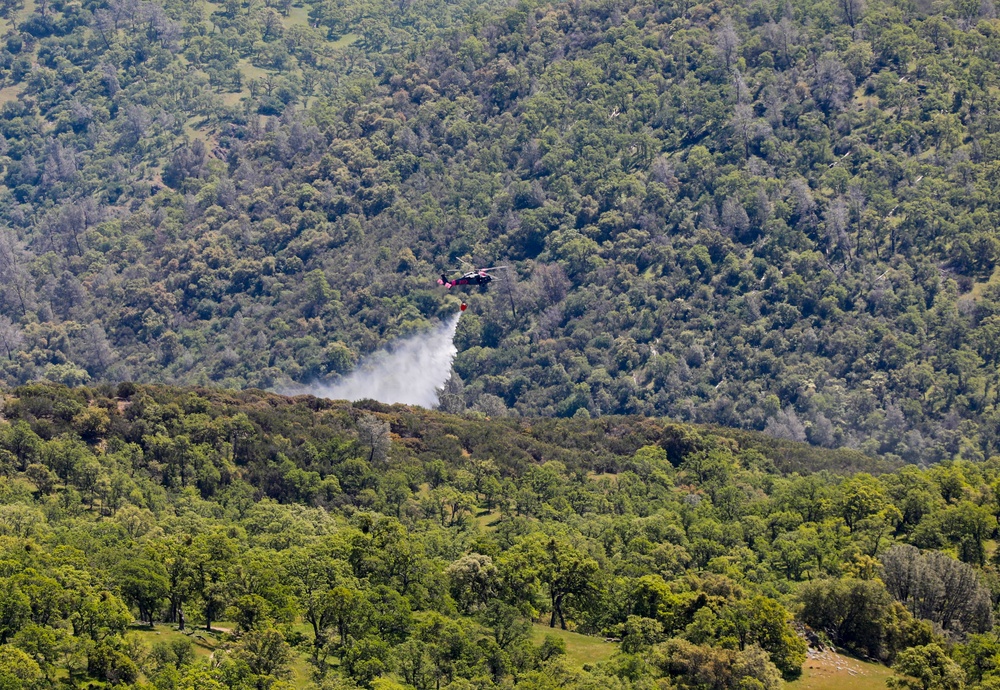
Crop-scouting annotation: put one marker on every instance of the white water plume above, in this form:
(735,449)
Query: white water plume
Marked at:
(410,371)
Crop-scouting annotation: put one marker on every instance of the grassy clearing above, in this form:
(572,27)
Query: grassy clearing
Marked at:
(251,71)
(301,667)
(487,519)
(831,671)
(208,8)
(195,129)
(604,475)
(301,671)
(297,16)
(233,98)
(580,649)
(979,288)
(204,642)
(345,41)
(26,11)
(11,93)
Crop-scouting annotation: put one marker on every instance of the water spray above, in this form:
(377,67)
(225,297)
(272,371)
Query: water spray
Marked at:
(409,371)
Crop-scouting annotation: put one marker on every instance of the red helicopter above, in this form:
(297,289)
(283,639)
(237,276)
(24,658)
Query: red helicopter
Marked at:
(477,276)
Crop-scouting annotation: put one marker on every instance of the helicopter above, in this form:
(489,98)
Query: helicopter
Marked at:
(478,276)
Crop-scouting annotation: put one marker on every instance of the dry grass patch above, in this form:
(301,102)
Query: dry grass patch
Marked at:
(829,670)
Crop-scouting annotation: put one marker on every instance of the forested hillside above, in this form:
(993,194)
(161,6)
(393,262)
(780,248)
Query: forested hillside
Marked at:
(184,539)
(769,215)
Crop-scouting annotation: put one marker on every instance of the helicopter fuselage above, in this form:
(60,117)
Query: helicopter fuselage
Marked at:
(471,278)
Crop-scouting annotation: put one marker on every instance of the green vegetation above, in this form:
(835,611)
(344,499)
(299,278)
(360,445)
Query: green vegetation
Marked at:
(340,545)
(770,215)
(773,222)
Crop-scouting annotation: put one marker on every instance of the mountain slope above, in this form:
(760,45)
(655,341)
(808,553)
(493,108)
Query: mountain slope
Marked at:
(776,216)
